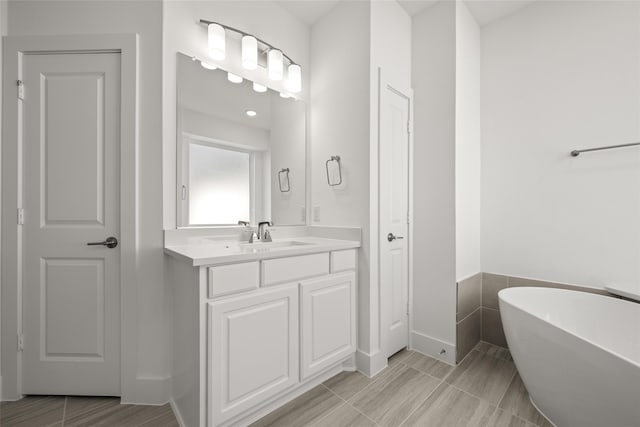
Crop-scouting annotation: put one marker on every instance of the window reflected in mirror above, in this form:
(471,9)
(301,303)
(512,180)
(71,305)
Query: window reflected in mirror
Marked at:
(232,143)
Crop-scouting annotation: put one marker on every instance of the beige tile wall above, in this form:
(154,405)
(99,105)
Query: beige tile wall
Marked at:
(469,314)
(478,314)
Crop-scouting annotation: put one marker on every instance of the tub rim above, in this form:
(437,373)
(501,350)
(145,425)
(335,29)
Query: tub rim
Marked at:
(559,290)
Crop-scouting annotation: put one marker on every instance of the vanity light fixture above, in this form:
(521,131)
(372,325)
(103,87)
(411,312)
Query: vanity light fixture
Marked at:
(284,95)
(217,41)
(275,64)
(208,66)
(233,78)
(249,52)
(252,49)
(294,78)
(251,113)
(259,88)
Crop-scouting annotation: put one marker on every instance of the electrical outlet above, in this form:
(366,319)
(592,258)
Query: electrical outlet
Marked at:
(316,213)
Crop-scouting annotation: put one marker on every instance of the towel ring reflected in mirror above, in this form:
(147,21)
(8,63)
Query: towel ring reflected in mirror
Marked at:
(332,178)
(283,180)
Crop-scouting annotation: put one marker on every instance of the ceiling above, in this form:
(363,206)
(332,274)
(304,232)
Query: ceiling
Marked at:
(484,11)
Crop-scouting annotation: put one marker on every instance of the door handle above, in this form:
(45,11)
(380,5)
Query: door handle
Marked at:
(391,237)
(110,242)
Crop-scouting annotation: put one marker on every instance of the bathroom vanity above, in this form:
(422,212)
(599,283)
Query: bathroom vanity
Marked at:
(257,324)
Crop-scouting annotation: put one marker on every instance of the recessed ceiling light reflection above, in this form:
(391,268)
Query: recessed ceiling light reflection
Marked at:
(251,113)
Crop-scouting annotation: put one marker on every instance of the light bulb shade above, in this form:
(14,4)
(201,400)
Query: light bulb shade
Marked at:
(217,46)
(233,78)
(207,66)
(294,78)
(259,88)
(275,64)
(249,52)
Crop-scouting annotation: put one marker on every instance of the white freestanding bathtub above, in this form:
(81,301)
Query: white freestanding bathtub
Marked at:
(578,354)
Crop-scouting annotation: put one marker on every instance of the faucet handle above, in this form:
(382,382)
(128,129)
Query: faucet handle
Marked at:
(245,223)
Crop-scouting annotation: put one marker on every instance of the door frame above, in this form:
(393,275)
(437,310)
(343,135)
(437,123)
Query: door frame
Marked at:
(385,309)
(15,49)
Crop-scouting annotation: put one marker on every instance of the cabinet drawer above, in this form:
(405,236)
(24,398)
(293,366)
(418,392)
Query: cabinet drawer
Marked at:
(233,278)
(343,260)
(281,270)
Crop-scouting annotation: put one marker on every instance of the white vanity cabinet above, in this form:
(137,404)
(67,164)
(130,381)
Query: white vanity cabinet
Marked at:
(253,349)
(327,321)
(253,334)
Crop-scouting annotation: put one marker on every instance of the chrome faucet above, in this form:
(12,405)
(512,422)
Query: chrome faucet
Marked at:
(263,233)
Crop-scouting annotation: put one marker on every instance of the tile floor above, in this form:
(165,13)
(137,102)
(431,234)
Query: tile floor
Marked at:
(415,390)
(58,411)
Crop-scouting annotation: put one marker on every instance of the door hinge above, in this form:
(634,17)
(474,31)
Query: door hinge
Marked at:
(407,309)
(20,90)
(184,192)
(20,342)
(408,218)
(20,216)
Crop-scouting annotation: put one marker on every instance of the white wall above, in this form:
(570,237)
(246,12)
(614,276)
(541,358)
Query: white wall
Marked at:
(145,19)
(181,33)
(434,273)
(467,154)
(3,32)
(340,126)
(558,76)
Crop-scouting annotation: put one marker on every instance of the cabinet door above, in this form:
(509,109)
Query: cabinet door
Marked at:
(328,321)
(253,350)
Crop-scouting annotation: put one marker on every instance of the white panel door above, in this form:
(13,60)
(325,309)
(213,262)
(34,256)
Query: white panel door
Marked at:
(394,205)
(253,349)
(327,321)
(71,291)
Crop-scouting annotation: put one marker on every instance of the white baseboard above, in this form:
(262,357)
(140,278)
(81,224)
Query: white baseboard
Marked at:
(149,391)
(433,347)
(176,412)
(370,364)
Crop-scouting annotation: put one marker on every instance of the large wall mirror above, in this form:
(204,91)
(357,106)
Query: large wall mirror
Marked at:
(241,153)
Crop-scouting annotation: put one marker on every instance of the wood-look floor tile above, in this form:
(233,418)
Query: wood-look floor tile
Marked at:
(502,418)
(429,365)
(345,416)
(32,411)
(101,411)
(516,401)
(482,375)
(448,406)
(347,384)
(303,410)
(494,350)
(390,400)
(400,357)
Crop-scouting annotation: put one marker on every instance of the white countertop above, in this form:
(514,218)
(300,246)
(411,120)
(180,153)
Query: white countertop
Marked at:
(632,292)
(211,251)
